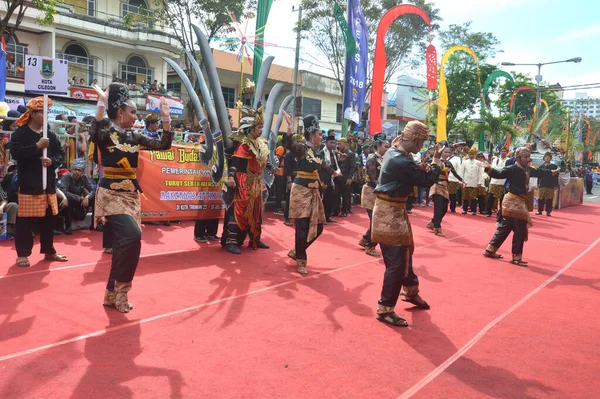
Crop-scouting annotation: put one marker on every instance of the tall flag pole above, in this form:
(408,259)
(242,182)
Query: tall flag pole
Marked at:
(2,68)
(355,82)
(264,7)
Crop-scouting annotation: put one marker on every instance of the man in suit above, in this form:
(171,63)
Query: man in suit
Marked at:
(330,157)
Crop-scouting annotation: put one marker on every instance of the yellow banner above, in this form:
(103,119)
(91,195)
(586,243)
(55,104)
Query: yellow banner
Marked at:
(443,93)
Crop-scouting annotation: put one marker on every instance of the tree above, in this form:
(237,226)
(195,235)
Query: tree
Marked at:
(463,79)
(525,100)
(497,126)
(17,9)
(407,34)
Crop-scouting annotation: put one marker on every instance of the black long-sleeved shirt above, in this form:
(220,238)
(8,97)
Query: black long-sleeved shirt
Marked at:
(399,174)
(517,178)
(23,148)
(76,189)
(549,181)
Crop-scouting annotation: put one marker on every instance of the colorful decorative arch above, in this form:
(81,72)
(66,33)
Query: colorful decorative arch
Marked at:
(512,100)
(380,60)
(486,87)
(443,94)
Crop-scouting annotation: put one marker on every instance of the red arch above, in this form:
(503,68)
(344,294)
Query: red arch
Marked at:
(380,60)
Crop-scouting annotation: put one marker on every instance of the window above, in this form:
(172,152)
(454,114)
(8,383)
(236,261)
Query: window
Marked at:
(80,65)
(15,56)
(91,8)
(136,70)
(338,113)
(311,106)
(138,7)
(229,95)
(174,87)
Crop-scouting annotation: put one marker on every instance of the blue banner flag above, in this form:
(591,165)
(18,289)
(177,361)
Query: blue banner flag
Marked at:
(355,85)
(2,68)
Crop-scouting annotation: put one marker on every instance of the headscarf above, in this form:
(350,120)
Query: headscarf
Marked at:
(35,104)
(79,163)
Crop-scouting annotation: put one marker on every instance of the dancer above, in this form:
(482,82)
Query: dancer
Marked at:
(36,205)
(244,216)
(391,227)
(547,186)
(515,216)
(306,205)
(118,194)
(374,162)
(439,193)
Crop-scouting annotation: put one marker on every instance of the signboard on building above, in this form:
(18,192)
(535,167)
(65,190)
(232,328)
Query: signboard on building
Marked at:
(46,75)
(78,110)
(153,103)
(83,93)
(14,102)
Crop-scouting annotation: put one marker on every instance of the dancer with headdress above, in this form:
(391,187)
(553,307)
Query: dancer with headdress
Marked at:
(118,193)
(391,227)
(515,215)
(440,193)
(367,197)
(306,205)
(36,204)
(246,176)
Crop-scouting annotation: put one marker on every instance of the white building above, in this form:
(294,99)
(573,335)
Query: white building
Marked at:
(93,37)
(589,106)
(411,95)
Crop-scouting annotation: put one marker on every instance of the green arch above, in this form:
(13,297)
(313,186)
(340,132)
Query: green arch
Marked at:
(486,86)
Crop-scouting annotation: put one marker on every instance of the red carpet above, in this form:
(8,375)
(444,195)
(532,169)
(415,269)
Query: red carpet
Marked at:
(207,324)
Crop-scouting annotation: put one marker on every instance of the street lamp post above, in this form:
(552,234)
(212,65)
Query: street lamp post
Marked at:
(538,77)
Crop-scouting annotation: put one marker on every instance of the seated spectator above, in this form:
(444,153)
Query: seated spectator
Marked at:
(162,89)
(94,82)
(81,82)
(10,207)
(73,81)
(79,192)
(8,125)
(154,86)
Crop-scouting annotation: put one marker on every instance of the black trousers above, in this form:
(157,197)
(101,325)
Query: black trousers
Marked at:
(328,201)
(127,244)
(588,186)
(481,203)
(519,229)
(280,187)
(490,203)
(396,273)
(206,227)
(75,211)
(548,204)
(286,208)
(440,207)
(472,204)
(107,236)
(341,192)
(410,202)
(367,235)
(302,226)
(24,234)
(453,200)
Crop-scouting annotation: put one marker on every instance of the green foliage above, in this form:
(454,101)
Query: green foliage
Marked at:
(497,126)
(15,11)
(405,40)
(525,100)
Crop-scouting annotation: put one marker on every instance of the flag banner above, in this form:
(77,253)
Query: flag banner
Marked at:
(153,102)
(345,29)
(355,84)
(264,8)
(2,68)
(177,186)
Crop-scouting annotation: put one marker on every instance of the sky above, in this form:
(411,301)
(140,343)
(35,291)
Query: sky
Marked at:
(529,31)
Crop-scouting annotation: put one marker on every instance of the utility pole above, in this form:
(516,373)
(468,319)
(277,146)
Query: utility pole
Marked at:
(296,71)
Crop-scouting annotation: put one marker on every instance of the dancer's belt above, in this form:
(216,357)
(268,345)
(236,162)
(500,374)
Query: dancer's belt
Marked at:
(521,197)
(308,175)
(119,173)
(396,202)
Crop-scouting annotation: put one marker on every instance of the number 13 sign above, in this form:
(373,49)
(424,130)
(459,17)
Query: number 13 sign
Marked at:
(46,75)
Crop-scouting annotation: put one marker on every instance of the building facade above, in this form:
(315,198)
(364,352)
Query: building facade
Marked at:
(589,106)
(103,40)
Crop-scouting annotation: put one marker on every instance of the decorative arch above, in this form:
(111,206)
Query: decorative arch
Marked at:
(380,60)
(443,94)
(76,48)
(486,87)
(512,100)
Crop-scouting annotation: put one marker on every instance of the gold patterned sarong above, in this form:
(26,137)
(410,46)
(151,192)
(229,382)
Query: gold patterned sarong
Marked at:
(440,188)
(390,224)
(546,193)
(497,190)
(367,197)
(515,206)
(452,187)
(469,193)
(306,202)
(110,202)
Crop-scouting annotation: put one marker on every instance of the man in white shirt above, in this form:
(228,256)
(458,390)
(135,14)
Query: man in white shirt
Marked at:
(471,173)
(454,185)
(496,191)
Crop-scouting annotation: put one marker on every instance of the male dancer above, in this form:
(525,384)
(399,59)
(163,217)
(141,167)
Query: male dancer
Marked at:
(515,216)
(391,227)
